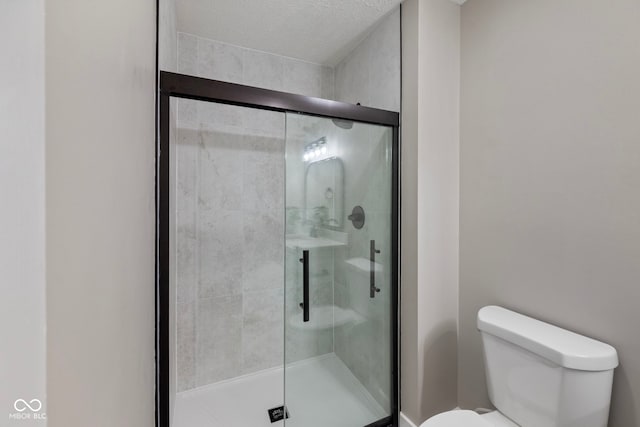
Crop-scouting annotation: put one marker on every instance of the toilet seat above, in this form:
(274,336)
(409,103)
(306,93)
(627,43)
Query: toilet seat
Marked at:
(456,419)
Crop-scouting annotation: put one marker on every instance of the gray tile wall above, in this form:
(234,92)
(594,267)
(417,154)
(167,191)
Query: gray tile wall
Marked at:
(230,250)
(364,345)
(303,342)
(370,74)
(220,61)
(230,254)
(230,220)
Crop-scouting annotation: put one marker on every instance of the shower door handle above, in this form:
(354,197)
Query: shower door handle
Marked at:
(372,269)
(305,286)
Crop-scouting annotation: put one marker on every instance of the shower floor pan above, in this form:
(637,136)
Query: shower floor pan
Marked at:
(322,392)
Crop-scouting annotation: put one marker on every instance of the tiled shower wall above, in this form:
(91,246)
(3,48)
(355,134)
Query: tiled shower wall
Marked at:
(220,61)
(230,251)
(230,212)
(230,216)
(364,346)
(370,75)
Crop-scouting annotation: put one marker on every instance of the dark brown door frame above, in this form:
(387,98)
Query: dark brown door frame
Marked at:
(189,87)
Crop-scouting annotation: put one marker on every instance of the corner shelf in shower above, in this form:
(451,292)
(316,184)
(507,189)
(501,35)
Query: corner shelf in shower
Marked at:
(296,241)
(364,265)
(326,317)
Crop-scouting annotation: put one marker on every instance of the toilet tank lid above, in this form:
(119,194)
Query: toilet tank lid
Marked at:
(564,348)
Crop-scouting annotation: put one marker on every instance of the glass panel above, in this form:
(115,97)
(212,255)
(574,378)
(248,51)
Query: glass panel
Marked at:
(228,262)
(338,217)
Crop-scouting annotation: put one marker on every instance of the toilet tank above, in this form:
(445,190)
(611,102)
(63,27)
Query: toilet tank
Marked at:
(540,375)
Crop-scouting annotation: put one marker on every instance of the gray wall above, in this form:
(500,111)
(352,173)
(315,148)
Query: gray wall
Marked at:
(100,167)
(430,141)
(168,61)
(22,217)
(550,205)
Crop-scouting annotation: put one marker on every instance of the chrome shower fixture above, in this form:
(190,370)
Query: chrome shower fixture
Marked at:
(343,124)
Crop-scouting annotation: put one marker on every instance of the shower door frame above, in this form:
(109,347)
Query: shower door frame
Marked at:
(201,89)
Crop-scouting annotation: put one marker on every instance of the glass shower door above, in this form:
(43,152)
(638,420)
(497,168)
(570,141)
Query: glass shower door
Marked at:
(338,272)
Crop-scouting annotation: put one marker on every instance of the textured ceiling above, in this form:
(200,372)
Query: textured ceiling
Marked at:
(320,31)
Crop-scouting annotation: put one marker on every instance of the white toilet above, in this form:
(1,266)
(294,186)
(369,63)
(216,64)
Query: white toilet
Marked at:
(538,375)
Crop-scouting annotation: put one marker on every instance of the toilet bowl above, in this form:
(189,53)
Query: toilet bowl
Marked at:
(460,418)
(538,375)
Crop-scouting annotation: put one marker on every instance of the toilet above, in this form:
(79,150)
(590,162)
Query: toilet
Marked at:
(538,375)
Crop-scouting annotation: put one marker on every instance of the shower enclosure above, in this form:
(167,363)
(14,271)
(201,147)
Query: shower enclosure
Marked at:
(277,259)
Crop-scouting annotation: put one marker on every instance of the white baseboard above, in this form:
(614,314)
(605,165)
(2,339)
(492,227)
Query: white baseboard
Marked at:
(405,421)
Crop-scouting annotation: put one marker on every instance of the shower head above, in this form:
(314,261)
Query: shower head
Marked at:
(343,124)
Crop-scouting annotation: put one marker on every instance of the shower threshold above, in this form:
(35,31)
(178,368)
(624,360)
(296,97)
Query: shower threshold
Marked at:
(322,392)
